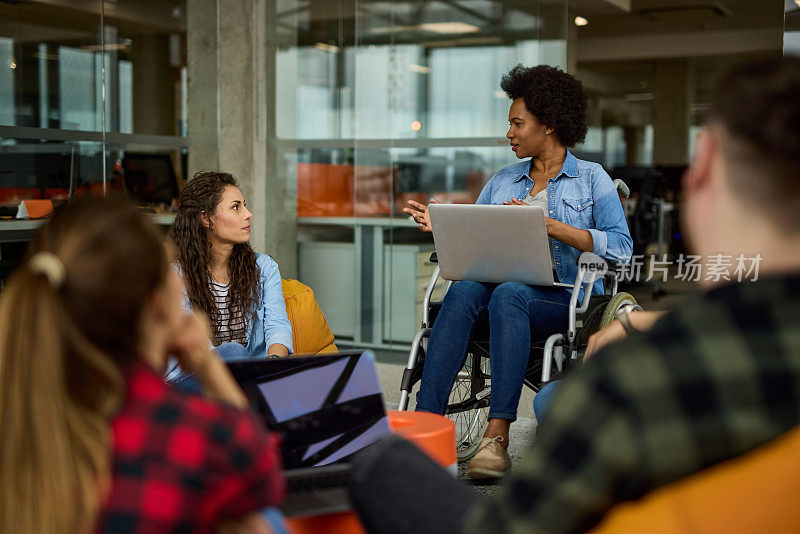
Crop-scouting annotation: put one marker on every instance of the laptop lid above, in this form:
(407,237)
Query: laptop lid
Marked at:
(326,408)
(492,243)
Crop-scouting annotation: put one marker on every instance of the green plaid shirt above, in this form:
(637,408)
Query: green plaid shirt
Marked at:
(710,381)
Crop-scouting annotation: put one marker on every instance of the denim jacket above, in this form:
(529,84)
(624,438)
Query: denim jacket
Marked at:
(581,195)
(269,324)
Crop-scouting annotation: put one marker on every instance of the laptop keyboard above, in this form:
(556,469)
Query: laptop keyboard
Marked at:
(310,483)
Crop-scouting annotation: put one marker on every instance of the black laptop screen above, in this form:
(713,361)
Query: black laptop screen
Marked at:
(326,408)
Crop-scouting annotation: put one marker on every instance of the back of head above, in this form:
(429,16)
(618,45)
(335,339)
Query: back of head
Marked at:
(69,321)
(756,108)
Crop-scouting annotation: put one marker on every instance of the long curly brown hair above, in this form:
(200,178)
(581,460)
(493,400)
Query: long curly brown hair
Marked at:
(201,195)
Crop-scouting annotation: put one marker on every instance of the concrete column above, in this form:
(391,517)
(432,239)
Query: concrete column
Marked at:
(671,112)
(202,57)
(231,82)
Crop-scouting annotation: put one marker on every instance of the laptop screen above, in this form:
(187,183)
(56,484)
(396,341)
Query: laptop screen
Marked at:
(326,408)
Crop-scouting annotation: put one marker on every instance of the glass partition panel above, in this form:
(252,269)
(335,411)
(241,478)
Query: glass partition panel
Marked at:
(50,65)
(377,103)
(791,28)
(80,83)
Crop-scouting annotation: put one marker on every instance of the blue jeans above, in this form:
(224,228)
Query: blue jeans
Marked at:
(543,399)
(518,314)
(226,351)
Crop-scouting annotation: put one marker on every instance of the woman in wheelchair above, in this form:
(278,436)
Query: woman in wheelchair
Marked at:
(584,214)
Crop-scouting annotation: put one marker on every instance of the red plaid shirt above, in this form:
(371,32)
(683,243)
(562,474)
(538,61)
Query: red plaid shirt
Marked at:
(183,464)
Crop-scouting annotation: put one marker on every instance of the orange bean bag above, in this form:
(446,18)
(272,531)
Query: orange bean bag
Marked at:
(755,492)
(310,331)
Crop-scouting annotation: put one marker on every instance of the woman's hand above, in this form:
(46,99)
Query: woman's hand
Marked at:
(277,350)
(191,345)
(549,223)
(574,237)
(420,214)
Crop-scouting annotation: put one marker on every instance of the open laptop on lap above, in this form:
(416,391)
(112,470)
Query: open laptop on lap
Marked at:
(491,243)
(326,409)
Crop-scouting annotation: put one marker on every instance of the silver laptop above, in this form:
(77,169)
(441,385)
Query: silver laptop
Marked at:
(491,243)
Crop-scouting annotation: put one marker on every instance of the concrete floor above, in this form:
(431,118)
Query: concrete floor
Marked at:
(391,365)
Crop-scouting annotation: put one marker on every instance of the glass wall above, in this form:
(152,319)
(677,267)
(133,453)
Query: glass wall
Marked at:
(91,99)
(791,28)
(378,103)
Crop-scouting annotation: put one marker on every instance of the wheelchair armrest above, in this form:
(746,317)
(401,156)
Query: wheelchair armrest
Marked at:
(434,258)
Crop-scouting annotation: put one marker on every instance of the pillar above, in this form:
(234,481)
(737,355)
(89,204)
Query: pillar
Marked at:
(231,82)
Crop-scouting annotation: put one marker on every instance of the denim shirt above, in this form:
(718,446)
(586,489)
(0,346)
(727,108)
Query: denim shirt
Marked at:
(580,195)
(270,323)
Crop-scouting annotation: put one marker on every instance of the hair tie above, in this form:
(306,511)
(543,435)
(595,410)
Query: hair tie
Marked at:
(50,266)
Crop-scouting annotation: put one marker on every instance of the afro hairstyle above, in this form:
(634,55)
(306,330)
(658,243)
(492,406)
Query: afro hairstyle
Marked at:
(551,95)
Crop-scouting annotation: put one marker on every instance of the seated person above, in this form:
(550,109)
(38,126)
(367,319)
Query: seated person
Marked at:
(710,381)
(238,289)
(584,214)
(94,440)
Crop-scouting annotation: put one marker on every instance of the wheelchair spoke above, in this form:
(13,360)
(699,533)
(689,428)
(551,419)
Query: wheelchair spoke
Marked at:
(469,406)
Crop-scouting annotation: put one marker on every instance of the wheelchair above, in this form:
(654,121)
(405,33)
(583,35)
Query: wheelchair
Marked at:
(468,405)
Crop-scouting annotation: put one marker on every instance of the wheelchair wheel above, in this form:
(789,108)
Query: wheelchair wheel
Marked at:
(469,405)
(617,301)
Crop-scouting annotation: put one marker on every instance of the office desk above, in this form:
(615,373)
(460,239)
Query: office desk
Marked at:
(352,280)
(17,230)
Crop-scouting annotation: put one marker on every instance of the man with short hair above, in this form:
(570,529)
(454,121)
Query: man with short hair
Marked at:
(711,380)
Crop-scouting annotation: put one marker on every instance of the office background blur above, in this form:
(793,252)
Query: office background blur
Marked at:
(334,113)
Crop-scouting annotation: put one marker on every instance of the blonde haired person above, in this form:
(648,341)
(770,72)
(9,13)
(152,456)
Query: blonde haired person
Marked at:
(92,437)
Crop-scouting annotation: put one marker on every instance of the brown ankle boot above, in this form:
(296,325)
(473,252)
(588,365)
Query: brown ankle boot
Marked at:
(491,460)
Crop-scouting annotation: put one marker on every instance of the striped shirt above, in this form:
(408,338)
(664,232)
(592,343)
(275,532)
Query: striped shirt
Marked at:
(230,325)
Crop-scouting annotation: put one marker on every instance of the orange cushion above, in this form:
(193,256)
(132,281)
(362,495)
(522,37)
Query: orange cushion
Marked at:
(755,492)
(310,331)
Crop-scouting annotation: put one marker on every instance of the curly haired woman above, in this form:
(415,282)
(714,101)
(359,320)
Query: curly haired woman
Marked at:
(583,214)
(238,289)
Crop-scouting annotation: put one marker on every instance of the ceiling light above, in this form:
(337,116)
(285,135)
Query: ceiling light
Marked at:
(107,47)
(13,65)
(448,27)
(419,69)
(580,21)
(416,126)
(797,2)
(325,47)
(444,28)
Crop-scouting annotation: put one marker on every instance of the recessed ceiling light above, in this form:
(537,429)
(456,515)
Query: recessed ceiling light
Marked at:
(446,28)
(325,47)
(419,69)
(797,2)
(580,21)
